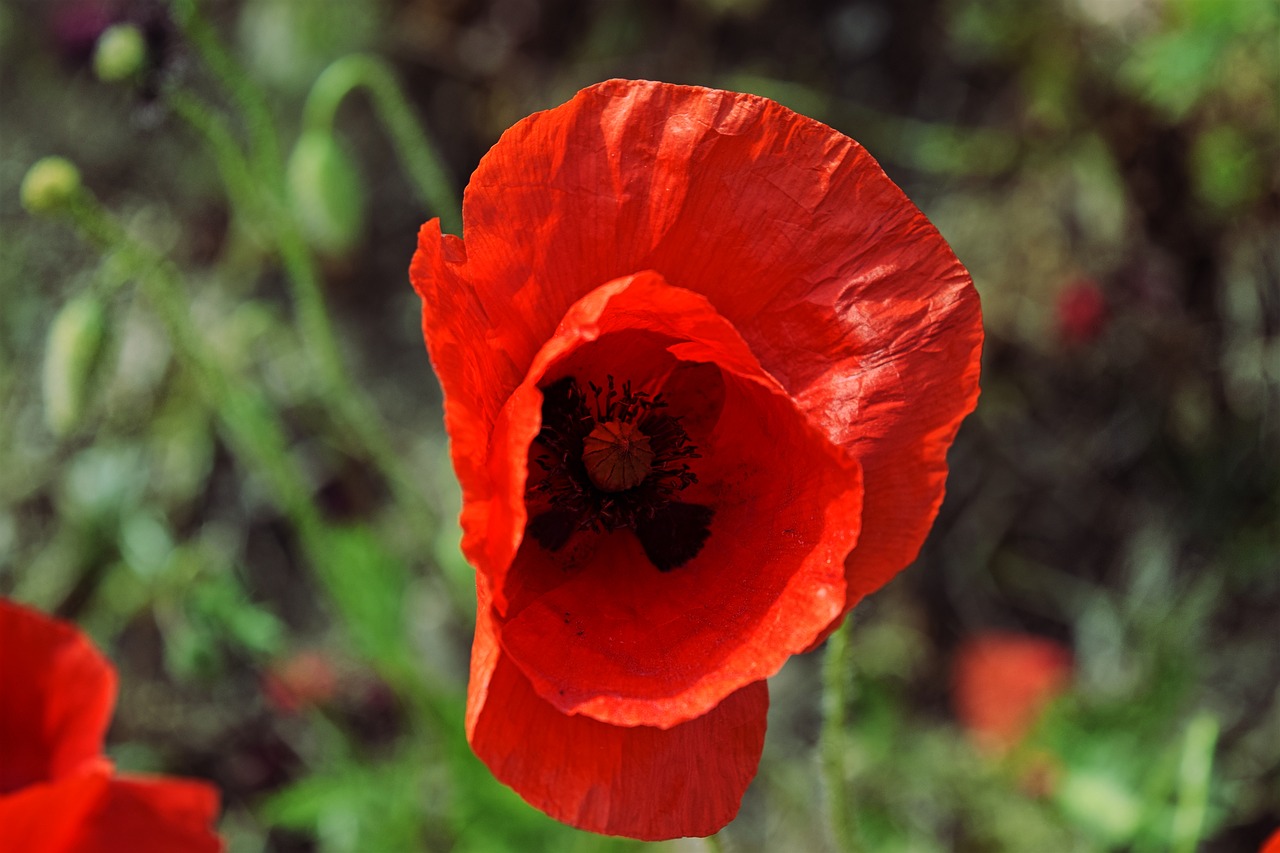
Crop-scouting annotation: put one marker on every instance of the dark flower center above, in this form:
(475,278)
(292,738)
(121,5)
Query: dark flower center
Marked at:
(617,461)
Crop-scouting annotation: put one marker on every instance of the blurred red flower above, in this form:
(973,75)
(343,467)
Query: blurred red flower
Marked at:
(1081,312)
(1272,844)
(702,361)
(300,681)
(58,793)
(1001,682)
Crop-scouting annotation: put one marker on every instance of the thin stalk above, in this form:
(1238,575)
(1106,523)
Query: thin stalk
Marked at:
(837,689)
(256,190)
(268,173)
(263,139)
(414,145)
(242,190)
(253,433)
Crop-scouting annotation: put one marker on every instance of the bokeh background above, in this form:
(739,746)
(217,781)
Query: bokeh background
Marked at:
(221,448)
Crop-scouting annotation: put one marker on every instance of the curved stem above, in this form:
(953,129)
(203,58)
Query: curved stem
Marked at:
(263,139)
(256,190)
(837,687)
(241,187)
(412,142)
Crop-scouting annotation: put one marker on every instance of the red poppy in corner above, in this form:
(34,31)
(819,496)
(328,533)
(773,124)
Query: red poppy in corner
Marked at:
(702,361)
(58,794)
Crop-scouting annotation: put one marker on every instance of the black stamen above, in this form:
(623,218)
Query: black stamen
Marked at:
(568,499)
(675,534)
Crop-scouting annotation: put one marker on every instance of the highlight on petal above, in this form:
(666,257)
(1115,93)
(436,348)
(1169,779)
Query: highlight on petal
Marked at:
(662,647)
(640,782)
(56,701)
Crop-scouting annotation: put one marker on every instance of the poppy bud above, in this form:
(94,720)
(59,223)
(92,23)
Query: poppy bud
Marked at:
(325,193)
(71,353)
(121,53)
(49,184)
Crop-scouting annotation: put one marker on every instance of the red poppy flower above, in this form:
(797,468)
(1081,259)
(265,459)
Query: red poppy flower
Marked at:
(1001,682)
(302,680)
(1081,312)
(701,363)
(58,794)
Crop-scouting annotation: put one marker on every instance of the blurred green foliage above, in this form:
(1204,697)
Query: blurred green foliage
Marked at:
(220,445)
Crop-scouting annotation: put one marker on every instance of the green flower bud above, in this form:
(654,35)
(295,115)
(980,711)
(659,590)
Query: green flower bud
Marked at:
(121,53)
(325,193)
(49,184)
(71,353)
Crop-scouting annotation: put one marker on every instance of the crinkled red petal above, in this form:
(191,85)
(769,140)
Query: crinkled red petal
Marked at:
(475,373)
(56,698)
(838,284)
(601,631)
(640,782)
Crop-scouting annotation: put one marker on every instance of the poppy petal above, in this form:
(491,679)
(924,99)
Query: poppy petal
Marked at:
(840,286)
(475,375)
(153,815)
(48,817)
(91,812)
(640,782)
(57,698)
(666,646)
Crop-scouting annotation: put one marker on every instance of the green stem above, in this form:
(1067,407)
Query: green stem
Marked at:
(837,688)
(242,190)
(413,144)
(264,204)
(268,170)
(1193,783)
(252,430)
(264,141)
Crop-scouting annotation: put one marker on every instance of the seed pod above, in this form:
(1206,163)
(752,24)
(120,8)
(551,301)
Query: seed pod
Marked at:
(617,456)
(325,193)
(71,354)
